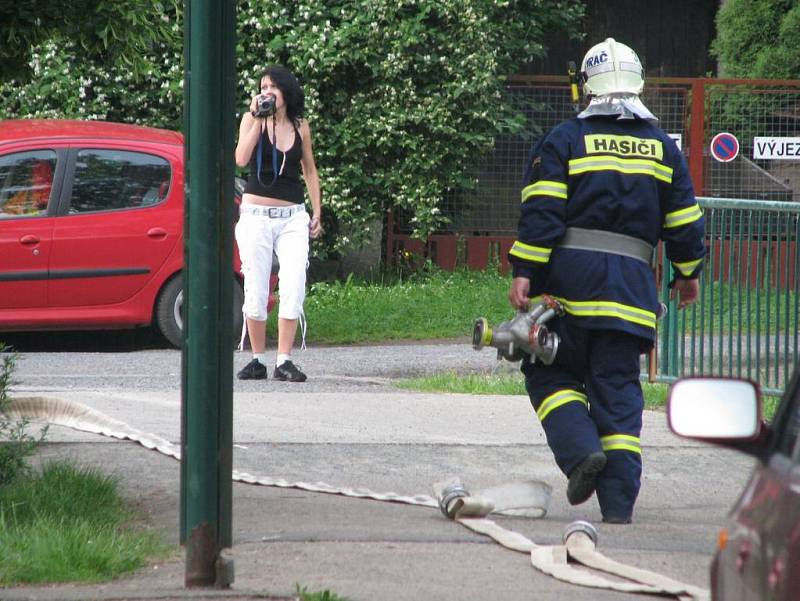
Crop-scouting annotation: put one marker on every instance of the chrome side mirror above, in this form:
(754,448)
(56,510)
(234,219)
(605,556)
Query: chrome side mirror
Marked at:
(715,409)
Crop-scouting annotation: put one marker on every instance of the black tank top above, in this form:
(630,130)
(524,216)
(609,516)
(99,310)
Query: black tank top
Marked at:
(287,186)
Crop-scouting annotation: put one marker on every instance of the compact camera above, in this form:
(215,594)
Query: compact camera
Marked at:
(265,106)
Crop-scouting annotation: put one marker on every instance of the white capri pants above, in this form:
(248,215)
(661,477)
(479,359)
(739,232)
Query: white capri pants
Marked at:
(260,231)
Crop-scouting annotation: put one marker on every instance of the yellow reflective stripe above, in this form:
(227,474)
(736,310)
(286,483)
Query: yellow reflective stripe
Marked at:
(557,399)
(544,188)
(621,442)
(628,166)
(688,267)
(610,309)
(684,216)
(537,254)
(605,309)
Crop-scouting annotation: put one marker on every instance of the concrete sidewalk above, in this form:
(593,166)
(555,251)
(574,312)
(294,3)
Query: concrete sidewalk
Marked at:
(389,440)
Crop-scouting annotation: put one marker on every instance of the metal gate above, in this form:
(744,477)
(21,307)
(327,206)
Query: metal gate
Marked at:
(745,323)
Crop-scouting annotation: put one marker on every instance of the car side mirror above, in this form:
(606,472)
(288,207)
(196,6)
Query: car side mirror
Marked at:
(722,410)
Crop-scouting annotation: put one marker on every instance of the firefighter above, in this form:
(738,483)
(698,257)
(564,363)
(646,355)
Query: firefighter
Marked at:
(600,190)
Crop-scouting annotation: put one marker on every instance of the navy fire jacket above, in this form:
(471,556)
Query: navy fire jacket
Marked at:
(626,177)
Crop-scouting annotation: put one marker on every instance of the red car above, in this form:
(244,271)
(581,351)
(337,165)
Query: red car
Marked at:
(91,228)
(759,552)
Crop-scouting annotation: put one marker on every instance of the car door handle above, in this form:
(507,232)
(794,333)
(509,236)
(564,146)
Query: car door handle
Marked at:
(157,232)
(29,240)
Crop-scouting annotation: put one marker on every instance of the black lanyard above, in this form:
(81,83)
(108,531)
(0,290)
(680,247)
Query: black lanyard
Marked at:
(274,156)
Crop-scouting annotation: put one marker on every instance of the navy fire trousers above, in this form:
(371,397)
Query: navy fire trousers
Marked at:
(589,400)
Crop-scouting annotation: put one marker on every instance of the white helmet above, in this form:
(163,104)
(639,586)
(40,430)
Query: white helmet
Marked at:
(611,68)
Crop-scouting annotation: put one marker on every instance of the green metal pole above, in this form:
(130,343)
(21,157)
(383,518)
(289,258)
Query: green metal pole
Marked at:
(207,367)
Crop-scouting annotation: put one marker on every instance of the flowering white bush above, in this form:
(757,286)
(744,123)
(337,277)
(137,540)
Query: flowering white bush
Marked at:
(401,95)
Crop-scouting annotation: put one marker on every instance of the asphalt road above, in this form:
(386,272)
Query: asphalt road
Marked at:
(139,361)
(349,426)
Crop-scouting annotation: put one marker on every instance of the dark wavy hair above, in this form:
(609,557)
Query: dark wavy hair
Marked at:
(290,88)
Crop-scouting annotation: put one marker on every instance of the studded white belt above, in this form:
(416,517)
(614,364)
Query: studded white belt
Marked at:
(273,212)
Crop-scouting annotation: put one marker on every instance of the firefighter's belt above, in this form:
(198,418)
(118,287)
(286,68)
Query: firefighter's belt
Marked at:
(607,242)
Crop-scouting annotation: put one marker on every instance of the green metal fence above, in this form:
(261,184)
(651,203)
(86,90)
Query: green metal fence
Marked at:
(745,323)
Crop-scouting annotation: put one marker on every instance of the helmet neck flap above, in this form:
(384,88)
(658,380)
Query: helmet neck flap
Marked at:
(624,106)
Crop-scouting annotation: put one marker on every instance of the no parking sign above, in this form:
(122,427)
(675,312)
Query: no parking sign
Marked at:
(724,147)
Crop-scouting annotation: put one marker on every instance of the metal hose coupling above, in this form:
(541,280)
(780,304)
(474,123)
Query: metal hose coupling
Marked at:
(580,527)
(524,333)
(449,494)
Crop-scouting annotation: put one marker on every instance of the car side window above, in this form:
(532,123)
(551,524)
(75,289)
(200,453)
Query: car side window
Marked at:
(787,421)
(109,180)
(26,180)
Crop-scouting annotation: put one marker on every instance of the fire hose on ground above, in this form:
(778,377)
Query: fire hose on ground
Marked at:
(525,499)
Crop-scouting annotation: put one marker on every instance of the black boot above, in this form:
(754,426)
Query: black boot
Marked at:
(583,478)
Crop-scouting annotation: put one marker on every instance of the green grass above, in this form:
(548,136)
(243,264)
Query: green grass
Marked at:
(436,304)
(326,595)
(748,309)
(769,405)
(474,383)
(67,523)
(433,304)
(504,383)
(655,395)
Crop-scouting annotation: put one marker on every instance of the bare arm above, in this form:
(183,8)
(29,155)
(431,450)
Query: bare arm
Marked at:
(311,176)
(249,130)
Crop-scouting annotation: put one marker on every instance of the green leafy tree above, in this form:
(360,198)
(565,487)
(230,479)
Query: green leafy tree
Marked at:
(113,60)
(758,38)
(402,95)
(105,32)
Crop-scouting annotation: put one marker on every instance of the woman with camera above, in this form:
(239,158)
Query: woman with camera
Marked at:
(275,142)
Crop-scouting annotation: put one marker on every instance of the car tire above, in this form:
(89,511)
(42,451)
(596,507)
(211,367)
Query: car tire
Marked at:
(169,311)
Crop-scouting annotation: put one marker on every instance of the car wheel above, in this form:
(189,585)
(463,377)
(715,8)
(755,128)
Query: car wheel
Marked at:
(169,311)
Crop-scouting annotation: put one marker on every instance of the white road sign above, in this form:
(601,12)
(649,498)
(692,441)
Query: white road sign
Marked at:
(776,148)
